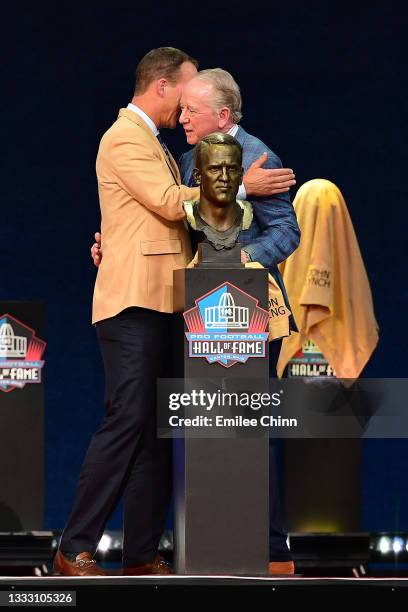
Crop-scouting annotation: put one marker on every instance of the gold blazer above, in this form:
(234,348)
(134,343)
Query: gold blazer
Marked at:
(144,237)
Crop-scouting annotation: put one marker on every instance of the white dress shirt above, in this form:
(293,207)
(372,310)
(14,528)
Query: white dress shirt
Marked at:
(145,117)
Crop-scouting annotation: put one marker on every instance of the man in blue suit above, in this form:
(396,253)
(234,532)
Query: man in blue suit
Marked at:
(211,102)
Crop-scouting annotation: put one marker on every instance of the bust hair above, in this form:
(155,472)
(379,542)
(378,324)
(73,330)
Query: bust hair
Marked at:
(216,138)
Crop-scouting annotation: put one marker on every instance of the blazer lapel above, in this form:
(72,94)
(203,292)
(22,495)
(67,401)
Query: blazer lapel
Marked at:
(171,164)
(174,168)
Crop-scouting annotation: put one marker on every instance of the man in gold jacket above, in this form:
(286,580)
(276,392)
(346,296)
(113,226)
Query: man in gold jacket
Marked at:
(145,239)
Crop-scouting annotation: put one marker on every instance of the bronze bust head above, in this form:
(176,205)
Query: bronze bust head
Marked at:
(218,216)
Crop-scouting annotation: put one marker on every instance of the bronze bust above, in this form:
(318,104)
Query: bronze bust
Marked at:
(218,216)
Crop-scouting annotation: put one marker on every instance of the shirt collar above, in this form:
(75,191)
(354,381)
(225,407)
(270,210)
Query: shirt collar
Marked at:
(233,130)
(145,117)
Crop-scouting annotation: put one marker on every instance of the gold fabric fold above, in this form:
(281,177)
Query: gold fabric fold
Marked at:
(327,284)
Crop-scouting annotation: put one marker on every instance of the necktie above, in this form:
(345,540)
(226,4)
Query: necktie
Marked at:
(167,154)
(163,144)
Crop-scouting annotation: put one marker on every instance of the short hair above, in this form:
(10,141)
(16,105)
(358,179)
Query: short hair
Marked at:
(227,92)
(216,138)
(164,62)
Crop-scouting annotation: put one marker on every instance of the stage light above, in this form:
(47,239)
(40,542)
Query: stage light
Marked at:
(384,545)
(397,545)
(105,543)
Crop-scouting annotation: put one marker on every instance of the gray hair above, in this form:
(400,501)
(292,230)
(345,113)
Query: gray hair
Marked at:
(226,89)
(216,138)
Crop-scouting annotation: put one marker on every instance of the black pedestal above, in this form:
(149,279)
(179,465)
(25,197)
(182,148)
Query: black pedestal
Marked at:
(221,485)
(21,416)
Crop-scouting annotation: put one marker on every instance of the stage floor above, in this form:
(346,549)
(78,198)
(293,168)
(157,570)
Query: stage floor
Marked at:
(178,580)
(126,592)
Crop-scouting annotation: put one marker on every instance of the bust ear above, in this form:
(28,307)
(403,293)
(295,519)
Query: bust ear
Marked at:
(197,176)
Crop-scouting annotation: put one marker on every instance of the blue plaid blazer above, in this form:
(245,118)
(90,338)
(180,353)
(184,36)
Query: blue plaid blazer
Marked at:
(274,233)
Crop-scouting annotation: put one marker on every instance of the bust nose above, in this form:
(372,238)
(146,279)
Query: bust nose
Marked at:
(224,175)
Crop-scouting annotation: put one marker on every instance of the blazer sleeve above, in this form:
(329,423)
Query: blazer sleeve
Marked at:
(143,174)
(275,216)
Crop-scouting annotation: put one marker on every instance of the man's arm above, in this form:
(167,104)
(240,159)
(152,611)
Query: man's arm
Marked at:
(258,180)
(138,171)
(276,218)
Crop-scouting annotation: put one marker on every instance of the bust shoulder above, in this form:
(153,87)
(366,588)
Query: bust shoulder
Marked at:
(248,213)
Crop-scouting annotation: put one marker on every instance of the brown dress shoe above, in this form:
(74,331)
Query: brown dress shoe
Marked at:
(281,567)
(83,565)
(159,566)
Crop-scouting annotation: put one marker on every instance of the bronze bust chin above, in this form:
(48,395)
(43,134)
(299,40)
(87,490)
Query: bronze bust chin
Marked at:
(218,216)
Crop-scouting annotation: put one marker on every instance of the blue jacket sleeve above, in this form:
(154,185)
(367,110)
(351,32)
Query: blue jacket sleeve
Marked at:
(275,216)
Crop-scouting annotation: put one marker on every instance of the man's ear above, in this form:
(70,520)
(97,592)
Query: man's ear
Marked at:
(224,115)
(197,176)
(242,174)
(160,87)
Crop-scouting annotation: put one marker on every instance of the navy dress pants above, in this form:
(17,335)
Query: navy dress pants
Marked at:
(125,458)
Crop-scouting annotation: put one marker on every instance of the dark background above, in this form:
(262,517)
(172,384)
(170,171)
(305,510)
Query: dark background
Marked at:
(323,85)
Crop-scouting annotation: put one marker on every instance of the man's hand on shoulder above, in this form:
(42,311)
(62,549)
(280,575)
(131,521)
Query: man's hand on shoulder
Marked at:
(262,182)
(96,249)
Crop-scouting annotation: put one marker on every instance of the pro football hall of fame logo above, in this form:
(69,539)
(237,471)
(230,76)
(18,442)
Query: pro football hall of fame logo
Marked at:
(226,326)
(20,354)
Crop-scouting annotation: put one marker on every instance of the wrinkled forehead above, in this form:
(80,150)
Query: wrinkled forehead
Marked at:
(197,93)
